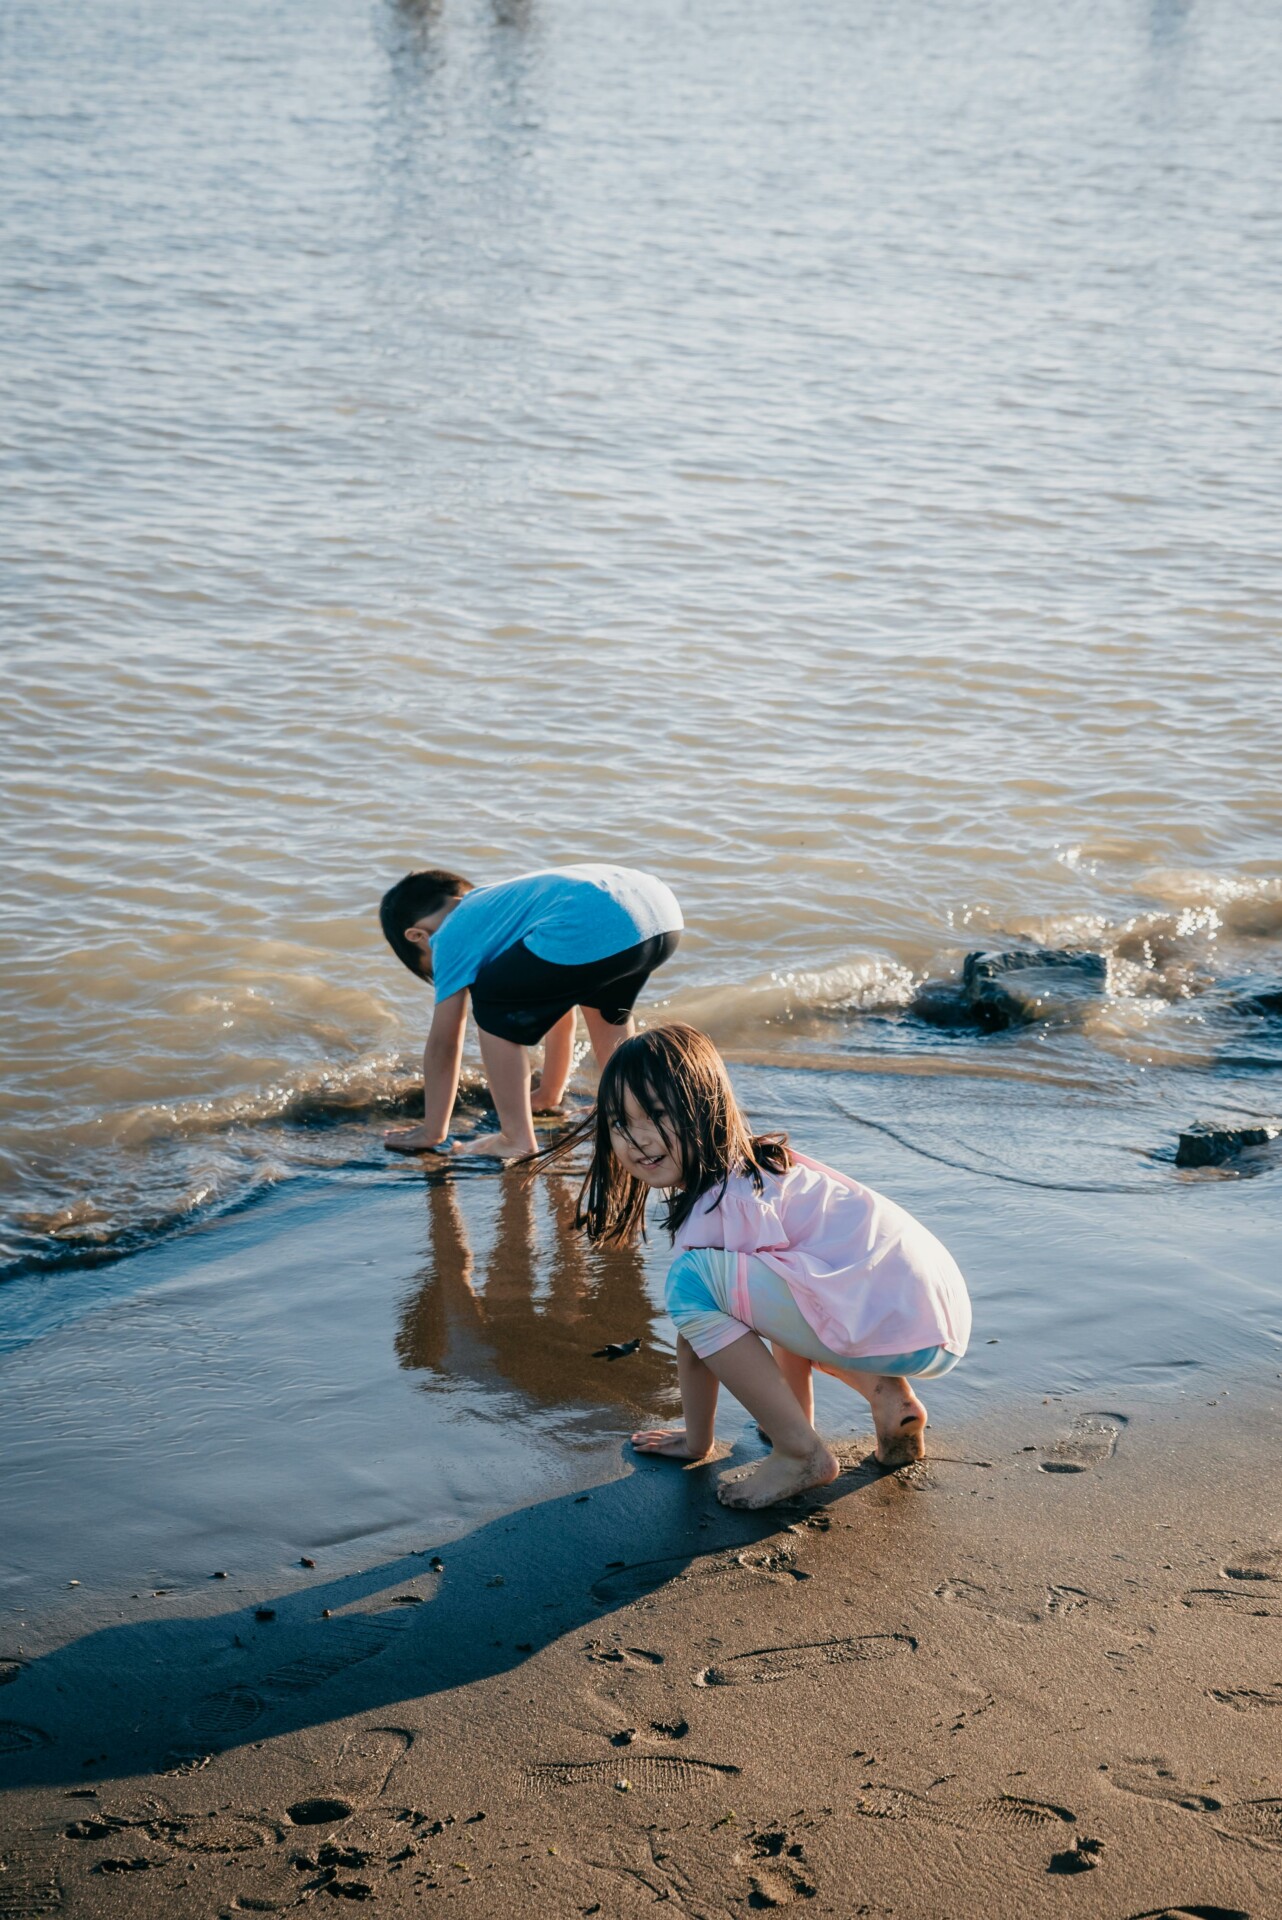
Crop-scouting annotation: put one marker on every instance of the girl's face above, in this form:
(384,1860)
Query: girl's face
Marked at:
(643,1144)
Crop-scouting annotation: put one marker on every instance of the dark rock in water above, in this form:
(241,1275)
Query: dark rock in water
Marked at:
(617,1350)
(943,1003)
(1014,989)
(1032,983)
(1267,1000)
(1208,1145)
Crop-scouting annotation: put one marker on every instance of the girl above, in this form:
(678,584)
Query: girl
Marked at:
(774,1245)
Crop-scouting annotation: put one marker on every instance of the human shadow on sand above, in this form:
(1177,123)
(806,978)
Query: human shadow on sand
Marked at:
(153,1696)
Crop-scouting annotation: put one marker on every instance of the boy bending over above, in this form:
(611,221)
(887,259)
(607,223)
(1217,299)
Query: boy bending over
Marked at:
(529,951)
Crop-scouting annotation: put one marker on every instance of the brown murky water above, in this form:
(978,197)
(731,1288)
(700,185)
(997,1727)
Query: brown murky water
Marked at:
(828,455)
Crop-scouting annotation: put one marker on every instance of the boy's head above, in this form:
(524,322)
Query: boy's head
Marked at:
(419,897)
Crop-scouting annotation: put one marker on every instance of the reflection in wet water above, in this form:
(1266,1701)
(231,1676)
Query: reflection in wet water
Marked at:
(529,1311)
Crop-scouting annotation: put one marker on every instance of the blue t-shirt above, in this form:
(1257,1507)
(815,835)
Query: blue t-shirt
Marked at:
(569,915)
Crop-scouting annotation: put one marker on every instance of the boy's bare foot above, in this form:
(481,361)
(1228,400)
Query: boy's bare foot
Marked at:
(494,1146)
(670,1441)
(778,1477)
(414,1140)
(900,1420)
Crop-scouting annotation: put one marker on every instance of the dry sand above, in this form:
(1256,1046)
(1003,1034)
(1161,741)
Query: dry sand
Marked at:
(1041,1675)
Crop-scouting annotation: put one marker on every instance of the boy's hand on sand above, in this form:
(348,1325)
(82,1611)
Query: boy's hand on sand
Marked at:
(671,1441)
(414,1140)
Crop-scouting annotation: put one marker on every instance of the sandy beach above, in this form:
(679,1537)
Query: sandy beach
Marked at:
(1038,1676)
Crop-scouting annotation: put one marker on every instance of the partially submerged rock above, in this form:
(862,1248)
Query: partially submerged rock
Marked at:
(1032,983)
(943,1003)
(1208,1144)
(1027,984)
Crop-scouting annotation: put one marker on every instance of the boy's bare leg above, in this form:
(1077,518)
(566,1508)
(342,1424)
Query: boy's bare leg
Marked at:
(507,1069)
(604,1037)
(548,1090)
(799,1374)
(798,1457)
(897,1414)
(698,1406)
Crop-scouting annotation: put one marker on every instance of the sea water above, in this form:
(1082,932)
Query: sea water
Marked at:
(829,455)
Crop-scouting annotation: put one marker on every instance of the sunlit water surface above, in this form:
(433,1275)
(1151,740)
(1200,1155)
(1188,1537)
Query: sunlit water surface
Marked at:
(830,455)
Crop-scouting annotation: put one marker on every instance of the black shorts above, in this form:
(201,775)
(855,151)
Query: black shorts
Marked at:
(517,996)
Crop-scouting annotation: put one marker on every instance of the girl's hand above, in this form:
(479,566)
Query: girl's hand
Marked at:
(672,1441)
(415,1140)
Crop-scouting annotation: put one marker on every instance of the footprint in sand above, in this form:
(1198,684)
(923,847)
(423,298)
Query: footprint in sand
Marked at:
(1061,1601)
(1000,1606)
(636,1658)
(1248,1699)
(16,1738)
(1005,1813)
(224,1832)
(766,1664)
(1259,1821)
(1153,1779)
(1256,1603)
(1091,1440)
(346,1643)
(1265,1563)
(367,1760)
(1192,1913)
(644,1773)
(770,1563)
(28,1888)
(618,1585)
(776,1877)
(226,1714)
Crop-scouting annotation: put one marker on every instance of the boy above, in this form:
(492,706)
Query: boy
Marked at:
(529,951)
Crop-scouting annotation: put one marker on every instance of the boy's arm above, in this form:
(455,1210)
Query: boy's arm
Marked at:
(442,1058)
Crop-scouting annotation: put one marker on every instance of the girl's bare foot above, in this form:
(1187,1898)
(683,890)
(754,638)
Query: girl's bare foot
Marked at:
(900,1420)
(670,1441)
(778,1477)
(494,1146)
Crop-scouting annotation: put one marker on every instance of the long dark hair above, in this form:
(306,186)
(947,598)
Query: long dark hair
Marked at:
(678,1078)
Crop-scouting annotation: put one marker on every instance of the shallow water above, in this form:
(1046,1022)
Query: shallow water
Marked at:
(373,1363)
(828,455)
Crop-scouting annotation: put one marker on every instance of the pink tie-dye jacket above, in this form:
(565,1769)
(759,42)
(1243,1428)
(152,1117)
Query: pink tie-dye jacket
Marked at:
(867,1277)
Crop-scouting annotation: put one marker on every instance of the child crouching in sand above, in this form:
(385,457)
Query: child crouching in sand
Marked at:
(772,1246)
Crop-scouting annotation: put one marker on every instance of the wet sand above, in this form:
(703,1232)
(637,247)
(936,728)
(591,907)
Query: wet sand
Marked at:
(920,1694)
(1041,1675)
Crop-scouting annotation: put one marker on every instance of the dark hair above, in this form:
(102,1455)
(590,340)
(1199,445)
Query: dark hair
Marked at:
(412,899)
(677,1072)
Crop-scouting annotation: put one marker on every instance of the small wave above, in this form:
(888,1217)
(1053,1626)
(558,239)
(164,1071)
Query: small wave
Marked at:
(381,1086)
(1250,907)
(785,998)
(163,1167)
